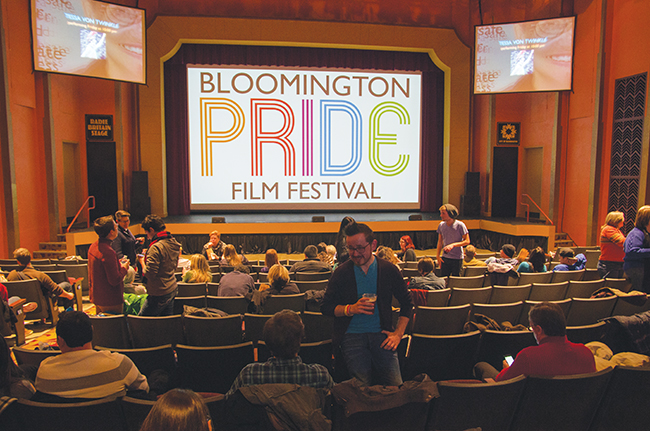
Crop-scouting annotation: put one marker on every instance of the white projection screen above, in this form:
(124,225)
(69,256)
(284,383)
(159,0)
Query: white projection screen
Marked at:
(303,139)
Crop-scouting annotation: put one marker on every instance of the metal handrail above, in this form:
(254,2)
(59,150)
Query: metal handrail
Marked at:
(528,209)
(87,212)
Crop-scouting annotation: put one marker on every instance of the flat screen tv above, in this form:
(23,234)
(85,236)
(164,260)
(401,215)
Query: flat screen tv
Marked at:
(524,56)
(89,38)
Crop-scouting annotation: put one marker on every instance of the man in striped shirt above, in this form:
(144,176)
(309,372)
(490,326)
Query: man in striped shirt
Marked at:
(81,372)
(282,334)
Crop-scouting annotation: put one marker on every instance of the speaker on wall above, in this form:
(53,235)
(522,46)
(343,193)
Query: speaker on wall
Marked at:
(415,217)
(318,219)
(218,219)
(472,183)
(140,201)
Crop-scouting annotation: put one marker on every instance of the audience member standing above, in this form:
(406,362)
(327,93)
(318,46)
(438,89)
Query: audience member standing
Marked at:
(360,294)
(105,270)
(637,251)
(159,266)
(125,242)
(452,236)
(612,240)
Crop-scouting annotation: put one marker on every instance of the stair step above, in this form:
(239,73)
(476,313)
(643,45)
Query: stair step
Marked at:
(49,254)
(55,246)
(60,237)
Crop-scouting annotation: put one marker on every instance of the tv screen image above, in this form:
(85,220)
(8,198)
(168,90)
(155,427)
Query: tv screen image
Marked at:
(524,57)
(302,138)
(89,38)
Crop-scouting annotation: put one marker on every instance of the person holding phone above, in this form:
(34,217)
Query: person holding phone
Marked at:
(553,356)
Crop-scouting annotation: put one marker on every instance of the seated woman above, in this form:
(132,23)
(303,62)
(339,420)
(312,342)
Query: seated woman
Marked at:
(536,261)
(407,253)
(279,283)
(231,258)
(388,254)
(270,259)
(323,255)
(199,271)
(178,410)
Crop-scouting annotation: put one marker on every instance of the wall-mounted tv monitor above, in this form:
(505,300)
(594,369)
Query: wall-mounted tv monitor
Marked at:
(89,38)
(301,138)
(524,56)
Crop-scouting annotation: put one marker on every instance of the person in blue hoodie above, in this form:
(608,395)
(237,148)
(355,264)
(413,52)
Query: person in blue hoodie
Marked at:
(637,250)
(569,261)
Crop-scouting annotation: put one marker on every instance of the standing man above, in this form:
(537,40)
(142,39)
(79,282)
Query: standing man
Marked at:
(452,237)
(359,294)
(125,243)
(158,267)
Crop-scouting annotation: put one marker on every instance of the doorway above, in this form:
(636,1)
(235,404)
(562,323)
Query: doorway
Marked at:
(504,182)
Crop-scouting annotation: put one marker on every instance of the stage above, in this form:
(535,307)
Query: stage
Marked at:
(290,232)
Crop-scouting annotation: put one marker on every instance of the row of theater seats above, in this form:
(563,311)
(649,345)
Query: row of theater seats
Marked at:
(218,272)
(612,399)
(198,289)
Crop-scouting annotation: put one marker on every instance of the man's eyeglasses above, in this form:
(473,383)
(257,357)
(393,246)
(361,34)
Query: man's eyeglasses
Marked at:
(357,249)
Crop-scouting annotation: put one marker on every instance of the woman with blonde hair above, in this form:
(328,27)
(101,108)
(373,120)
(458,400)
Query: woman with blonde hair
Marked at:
(388,254)
(270,259)
(178,410)
(637,251)
(610,262)
(199,271)
(231,258)
(279,283)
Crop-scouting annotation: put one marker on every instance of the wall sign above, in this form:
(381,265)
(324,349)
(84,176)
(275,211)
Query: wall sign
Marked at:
(508,133)
(99,127)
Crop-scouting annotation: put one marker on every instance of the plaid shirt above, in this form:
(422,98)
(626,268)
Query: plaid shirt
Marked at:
(277,370)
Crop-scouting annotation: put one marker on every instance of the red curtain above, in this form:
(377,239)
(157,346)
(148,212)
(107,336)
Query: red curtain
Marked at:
(175,73)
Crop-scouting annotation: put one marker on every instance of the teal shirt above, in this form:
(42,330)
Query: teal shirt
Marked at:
(366,283)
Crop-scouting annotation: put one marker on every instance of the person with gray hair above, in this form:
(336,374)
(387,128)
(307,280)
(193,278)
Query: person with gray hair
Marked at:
(282,334)
(311,263)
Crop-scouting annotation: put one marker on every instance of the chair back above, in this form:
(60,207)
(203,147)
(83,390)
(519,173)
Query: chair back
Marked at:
(565,305)
(213,289)
(591,274)
(548,292)
(495,345)
(57,276)
(583,289)
(312,276)
(474,271)
(509,294)
(212,369)
(626,308)
(318,327)
(32,292)
(26,356)
(592,256)
(560,402)
(194,301)
(438,298)
(155,331)
(304,286)
(192,289)
(45,267)
(586,311)
(461,296)
(440,320)
(465,282)
(263,277)
(111,332)
(149,359)
(499,312)
(562,276)
(228,304)
(77,271)
(254,326)
(442,357)
(275,303)
(534,277)
(488,406)
(625,403)
(586,333)
(99,415)
(621,284)
(410,272)
(213,331)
